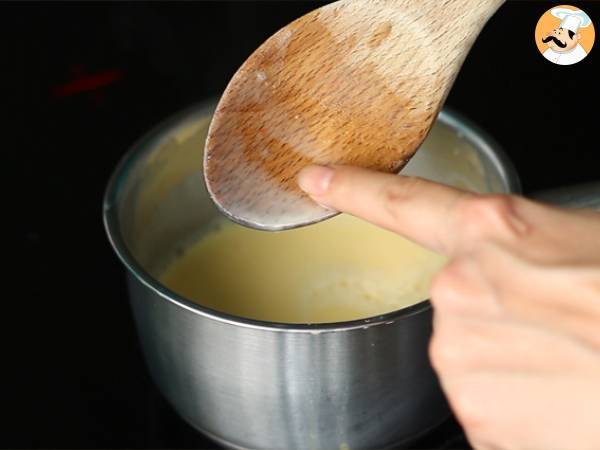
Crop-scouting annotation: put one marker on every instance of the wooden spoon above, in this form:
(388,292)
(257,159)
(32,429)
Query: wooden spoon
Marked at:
(357,82)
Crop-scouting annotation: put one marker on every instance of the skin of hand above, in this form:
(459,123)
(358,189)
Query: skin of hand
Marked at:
(516,340)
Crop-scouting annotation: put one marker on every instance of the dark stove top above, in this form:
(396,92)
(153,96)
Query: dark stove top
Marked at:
(82,81)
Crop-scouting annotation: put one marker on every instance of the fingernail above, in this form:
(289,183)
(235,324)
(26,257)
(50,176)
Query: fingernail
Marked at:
(314,180)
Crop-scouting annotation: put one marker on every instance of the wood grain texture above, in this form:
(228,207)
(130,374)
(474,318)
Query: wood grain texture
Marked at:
(355,82)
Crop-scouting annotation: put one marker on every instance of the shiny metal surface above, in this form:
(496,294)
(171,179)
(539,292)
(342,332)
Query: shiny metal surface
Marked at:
(579,196)
(252,384)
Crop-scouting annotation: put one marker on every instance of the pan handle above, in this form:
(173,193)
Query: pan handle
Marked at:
(578,196)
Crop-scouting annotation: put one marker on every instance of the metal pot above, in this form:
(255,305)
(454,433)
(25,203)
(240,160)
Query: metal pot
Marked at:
(252,384)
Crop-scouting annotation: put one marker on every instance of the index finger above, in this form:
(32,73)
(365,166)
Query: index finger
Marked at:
(421,210)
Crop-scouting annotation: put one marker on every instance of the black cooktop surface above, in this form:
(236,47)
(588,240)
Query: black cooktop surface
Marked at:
(82,81)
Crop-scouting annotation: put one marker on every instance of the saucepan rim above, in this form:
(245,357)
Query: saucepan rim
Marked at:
(466,129)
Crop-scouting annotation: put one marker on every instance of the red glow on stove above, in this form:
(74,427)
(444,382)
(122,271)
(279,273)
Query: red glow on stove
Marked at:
(86,83)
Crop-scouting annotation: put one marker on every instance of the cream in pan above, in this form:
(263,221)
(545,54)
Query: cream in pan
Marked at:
(341,269)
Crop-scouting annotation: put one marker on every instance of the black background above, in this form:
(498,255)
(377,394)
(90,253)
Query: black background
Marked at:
(72,372)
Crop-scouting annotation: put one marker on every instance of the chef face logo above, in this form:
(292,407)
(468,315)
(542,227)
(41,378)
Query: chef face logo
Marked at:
(561,40)
(564,35)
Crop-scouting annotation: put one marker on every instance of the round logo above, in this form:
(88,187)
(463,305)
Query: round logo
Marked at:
(565,35)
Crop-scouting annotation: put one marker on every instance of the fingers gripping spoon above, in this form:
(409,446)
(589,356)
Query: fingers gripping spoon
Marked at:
(357,82)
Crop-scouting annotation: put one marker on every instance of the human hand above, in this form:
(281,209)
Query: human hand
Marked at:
(516,339)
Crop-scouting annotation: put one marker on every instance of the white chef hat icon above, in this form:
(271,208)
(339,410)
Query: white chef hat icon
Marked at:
(571,19)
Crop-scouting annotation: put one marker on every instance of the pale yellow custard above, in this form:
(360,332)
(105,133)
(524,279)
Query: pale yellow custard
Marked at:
(341,269)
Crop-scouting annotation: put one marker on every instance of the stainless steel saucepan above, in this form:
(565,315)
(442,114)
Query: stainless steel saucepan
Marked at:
(252,384)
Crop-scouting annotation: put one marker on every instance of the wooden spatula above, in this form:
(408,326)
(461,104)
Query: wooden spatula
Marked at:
(356,82)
